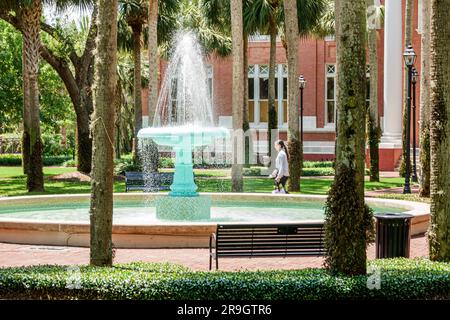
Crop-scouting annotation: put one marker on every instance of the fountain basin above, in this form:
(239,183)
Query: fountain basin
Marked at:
(187,137)
(47,224)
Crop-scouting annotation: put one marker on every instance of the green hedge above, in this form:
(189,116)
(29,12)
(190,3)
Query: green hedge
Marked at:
(16,160)
(400,279)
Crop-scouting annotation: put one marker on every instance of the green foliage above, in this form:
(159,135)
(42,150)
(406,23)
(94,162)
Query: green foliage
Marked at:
(348,225)
(55,105)
(400,279)
(125,163)
(53,145)
(16,160)
(165,162)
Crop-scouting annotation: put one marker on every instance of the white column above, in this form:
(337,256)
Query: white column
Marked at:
(256,96)
(393,66)
(280,95)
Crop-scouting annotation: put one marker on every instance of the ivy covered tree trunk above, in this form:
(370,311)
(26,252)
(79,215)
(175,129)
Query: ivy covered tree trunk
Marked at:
(373,123)
(272,111)
(237,183)
(408,40)
(30,16)
(101,211)
(294,140)
(348,221)
(424,190)
(439,232)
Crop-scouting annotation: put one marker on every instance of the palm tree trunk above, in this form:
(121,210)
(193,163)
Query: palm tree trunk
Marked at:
(238,93)
(101,212)
(153,62)
(439,232)
(347,218)
(294,140)
(425,103)
(30,16)
(137,80)
(373,123)
(272,116)
(26,116)
(245,121)
(408,40)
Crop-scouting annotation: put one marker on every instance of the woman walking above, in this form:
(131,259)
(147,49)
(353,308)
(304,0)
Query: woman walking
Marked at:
(281,173)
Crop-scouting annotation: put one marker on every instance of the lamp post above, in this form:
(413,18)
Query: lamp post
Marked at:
(410,57)
(302,85)
(415,76)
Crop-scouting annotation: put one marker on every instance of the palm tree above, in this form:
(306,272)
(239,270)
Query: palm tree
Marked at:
(135,13)
(103,132)
(294,139)
(425,103)
(301,19)
(28,14)
(347,218)
(263,16)
(75,70)
(408,40)
(373,123)
(238,86)
(439,232)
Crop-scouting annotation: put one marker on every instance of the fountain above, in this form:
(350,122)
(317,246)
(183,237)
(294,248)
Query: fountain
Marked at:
(183,121)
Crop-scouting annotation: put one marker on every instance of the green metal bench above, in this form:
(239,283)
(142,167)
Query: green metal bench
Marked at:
(156,181)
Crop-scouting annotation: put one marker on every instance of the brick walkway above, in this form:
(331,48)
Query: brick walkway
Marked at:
(196,259)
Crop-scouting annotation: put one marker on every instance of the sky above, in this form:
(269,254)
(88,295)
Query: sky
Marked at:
(72,14)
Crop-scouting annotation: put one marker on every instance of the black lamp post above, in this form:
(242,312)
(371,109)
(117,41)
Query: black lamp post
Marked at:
(415,76)
(302,85)
(410,57)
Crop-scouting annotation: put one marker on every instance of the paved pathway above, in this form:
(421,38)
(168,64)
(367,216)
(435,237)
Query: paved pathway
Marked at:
(196,259)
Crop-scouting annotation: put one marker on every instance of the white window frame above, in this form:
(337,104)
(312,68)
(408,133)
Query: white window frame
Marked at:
(262,71)
(330,75)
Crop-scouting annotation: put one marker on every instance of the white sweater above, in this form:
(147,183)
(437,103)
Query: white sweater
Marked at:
(281,163)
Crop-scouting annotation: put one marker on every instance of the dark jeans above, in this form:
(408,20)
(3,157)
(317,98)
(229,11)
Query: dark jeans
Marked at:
(281,183)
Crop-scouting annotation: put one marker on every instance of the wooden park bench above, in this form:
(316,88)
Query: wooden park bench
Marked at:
(266,240)
(157,181)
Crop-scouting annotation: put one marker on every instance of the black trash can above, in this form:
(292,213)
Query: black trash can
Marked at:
(392,235)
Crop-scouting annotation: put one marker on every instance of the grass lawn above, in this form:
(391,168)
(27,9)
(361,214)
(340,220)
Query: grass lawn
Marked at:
(12,183)
(17,172)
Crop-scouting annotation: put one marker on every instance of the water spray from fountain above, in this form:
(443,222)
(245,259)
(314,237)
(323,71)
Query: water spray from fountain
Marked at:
(183,121)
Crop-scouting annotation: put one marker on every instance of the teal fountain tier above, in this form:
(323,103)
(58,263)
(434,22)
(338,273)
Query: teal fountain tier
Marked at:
(183,202)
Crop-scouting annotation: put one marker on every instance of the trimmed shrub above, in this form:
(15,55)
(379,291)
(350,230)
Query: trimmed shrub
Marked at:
(16,160)
(399,279)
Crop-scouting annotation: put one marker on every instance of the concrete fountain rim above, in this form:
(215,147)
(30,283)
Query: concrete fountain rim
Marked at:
(158,235)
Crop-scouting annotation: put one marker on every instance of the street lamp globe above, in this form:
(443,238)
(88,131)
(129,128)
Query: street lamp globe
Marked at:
(409,56)
(301,82)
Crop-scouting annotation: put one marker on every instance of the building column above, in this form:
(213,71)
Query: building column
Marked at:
(391,141)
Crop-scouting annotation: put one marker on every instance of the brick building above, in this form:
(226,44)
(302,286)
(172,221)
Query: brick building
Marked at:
(317,62)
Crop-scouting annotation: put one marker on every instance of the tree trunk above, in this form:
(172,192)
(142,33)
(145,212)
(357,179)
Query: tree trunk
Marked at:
(26,115)
(373,123)
(153,61)
(30,16)
(101,212)
(347,218)
(238,93)
(439,232)
(137,30)
(245,116)
(294,140)
(425,103)
(408,40)
(272,116)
